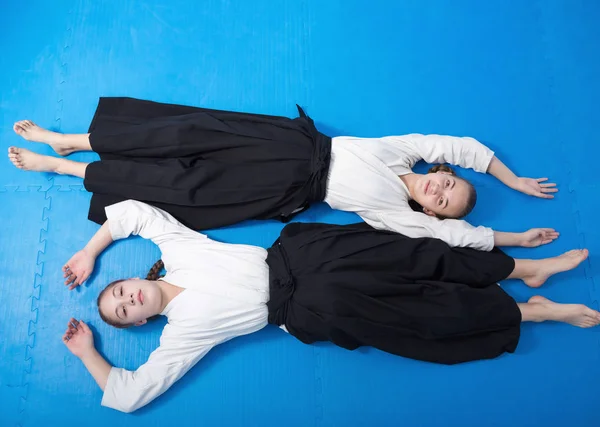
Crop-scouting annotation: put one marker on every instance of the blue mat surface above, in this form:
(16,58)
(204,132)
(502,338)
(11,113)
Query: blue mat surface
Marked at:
(520,76)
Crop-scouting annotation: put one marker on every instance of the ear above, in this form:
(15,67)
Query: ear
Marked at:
(141,322)
(429,212)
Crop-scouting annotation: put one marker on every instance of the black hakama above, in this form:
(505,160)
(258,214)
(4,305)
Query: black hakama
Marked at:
(419,298)
(208,168)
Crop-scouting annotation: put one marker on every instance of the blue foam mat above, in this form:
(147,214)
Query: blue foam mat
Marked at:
(520,76)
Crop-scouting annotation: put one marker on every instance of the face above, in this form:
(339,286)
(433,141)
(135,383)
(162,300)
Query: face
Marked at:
(132,301)
(441,194)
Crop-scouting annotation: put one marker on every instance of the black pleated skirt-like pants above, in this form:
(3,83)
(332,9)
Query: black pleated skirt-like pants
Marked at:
(356,286)
(208,168)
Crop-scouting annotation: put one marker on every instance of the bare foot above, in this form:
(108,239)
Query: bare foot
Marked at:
(574,314)
(538,299)
(550,266)
(32,132)
(29,161)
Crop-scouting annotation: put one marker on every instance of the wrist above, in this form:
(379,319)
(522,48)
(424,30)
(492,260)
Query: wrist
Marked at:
(90,251)
(515,183)
(88,355)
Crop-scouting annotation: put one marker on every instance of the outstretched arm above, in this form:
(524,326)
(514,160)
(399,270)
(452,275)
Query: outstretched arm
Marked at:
(469,153)
(80,341)
(125,219)
(528,239)
(457,233)
(533,187)
(80,266)
(126,390)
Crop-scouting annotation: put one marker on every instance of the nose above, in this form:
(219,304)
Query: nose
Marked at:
(435,188)
(132,299)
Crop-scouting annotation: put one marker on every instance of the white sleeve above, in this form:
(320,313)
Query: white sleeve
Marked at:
(454,232)
(127,391)
(465,152)
(133,217)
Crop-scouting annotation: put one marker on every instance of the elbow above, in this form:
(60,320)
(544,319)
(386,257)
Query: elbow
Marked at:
(128,407)
(125,404)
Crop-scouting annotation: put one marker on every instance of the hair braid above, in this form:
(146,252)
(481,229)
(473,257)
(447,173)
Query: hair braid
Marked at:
(154,273)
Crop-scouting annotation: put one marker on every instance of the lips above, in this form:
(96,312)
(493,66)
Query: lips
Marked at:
(141,297)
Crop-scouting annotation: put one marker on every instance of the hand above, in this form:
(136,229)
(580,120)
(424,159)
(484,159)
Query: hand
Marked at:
(538,236)
(78,338)
(533,187)
(78,269)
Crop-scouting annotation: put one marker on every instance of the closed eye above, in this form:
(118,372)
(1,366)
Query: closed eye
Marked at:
(124,311)
(447,184)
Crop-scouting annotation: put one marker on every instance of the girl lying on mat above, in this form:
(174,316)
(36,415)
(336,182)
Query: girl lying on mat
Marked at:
(351,285)
(210,168)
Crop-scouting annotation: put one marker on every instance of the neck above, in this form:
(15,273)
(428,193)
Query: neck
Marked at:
(168,292)
(410,180)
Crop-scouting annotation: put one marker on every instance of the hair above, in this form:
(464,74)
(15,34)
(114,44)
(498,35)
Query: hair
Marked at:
(153,274)
(471,198)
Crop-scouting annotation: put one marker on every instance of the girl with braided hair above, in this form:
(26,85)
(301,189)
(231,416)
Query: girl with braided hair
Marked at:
(351,285)
(211,168)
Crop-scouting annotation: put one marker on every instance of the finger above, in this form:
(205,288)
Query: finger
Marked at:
(73,321)
(84,326)
(82,278)
(67,272)
(550,190)
(541,179)
(549,184)
(73,286)
(544,196)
